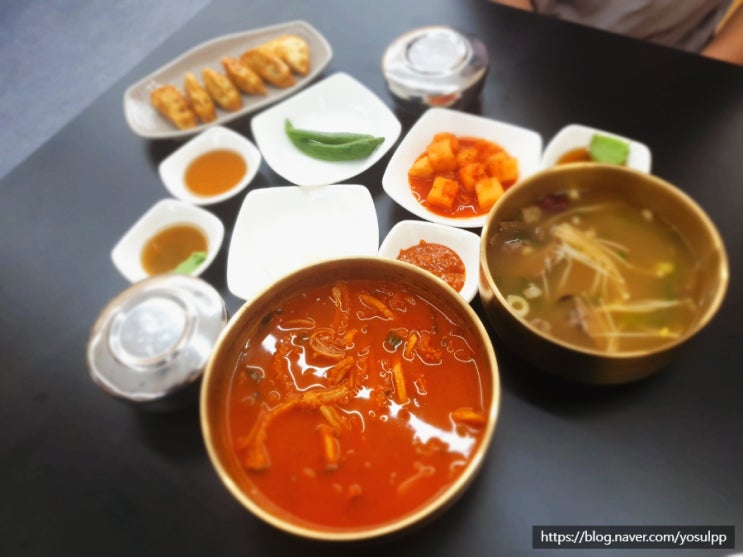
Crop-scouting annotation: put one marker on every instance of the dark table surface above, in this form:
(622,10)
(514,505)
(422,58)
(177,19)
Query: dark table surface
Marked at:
(81,473)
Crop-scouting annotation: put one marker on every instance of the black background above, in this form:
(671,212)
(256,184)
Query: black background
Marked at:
(81,473)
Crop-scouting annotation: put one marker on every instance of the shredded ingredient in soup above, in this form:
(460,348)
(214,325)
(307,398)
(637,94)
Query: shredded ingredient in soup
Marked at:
(354,403)
(594,270)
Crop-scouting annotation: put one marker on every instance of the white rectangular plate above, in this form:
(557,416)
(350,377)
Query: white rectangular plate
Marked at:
(145,121)
(280,229)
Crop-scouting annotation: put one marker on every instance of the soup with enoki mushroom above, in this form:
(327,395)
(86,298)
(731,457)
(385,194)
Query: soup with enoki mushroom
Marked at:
(356,402)
(594,270)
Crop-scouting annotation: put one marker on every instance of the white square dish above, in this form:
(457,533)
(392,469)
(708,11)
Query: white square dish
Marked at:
(466,244)
(173,169)
(339,103)
(144,120)
(575,136)
(281,229)
(523,144)
(127,253)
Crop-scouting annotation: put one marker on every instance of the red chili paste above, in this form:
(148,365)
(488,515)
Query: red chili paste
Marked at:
(438,259)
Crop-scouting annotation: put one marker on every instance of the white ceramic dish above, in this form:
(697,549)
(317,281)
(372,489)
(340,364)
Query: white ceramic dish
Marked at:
(173,168)
(281,229)
(521,143)
(466,244)
(126,255)
(144,120)
(338,103)
(574,136)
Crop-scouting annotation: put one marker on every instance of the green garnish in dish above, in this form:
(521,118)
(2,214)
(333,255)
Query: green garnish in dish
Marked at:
(608,149)
(332,146)
(191,263)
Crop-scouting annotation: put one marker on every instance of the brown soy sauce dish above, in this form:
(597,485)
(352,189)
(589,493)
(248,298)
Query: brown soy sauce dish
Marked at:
(354,398)
(599,273)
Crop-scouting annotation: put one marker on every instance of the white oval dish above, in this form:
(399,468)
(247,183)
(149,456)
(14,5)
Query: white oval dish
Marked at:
(281,229)
(521,143)
(145,121)
(339,103)
(466,244)
(126,254)
(575,136)
(173,169)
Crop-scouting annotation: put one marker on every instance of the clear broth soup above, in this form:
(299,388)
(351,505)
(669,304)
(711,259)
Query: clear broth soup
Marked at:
(595,271)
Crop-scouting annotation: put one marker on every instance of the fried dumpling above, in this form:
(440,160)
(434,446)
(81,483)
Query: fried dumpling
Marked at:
(269,66)
(293,50)
(199,100)
(170,102)
(243,77)
(221,90)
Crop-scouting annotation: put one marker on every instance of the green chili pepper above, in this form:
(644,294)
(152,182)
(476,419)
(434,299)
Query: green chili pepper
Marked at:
(331,138)
(328,146)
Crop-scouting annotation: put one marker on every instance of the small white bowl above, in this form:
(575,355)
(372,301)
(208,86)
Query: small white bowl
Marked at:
(339,103)
(280,229)
(127,253)
(575,136)
(173,169)
(521,143)
(466,244)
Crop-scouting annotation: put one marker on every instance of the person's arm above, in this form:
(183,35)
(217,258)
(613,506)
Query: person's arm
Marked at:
(521,4)
(727,45)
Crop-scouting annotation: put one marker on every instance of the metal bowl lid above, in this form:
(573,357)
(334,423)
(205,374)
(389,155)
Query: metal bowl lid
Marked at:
(155,337)
(435,66)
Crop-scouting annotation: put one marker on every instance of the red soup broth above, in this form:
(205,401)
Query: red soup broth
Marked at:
(355,403)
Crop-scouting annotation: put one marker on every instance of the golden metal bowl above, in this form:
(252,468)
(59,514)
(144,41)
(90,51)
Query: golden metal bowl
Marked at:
(244,323)
(595,366)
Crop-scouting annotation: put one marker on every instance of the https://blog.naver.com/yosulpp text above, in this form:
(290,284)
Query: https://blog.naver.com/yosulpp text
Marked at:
(633,537)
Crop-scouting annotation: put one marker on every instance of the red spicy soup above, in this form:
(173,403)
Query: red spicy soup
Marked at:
(356,403)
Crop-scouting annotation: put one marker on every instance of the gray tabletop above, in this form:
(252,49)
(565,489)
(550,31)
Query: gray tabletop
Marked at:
(81,473)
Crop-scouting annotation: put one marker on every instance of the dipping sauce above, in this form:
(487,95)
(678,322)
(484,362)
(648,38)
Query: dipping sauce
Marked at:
(581,154)
(438,259)
(215,172)
(355,402)
(167,249)
(461,177)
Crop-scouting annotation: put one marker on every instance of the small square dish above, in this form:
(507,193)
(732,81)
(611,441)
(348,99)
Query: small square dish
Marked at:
(145,121)
(519,143)
(162,222)
(281,229)
(224,163)
(339,103)
(576,138)
(408,234)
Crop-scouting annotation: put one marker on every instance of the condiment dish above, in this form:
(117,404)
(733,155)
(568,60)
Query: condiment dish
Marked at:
(592,309)
(127,254)
(523,144)
(338,103)
(578,136)
(465,244)
(280,229)
(216,138)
